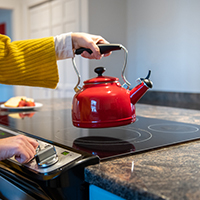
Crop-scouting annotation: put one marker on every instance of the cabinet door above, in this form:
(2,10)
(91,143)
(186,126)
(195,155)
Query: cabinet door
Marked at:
(50,19)
(40,26)
(65,18)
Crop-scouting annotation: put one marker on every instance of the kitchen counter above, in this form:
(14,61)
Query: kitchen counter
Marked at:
(167,173)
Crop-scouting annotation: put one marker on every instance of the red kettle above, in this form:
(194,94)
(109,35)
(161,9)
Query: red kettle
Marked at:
(102,101)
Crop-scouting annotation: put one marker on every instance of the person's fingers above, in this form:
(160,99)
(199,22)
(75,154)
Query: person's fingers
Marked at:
(95,49)
(107,54)
(88,41)
(26,149)
(85,54)
(33,142)
(23,157)
(26,143)
(100,40)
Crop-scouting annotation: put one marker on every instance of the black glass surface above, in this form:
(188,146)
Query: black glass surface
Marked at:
(144,134)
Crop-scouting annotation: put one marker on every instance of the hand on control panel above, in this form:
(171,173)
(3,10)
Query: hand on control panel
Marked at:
(20,146)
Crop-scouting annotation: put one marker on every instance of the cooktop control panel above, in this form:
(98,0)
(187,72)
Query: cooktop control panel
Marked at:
(48,157)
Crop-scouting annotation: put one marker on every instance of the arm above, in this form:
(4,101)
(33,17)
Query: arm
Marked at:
(34,62)
(28,62)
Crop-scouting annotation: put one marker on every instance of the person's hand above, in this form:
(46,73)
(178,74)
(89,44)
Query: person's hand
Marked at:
(66,43)
(88,41)
(20,146)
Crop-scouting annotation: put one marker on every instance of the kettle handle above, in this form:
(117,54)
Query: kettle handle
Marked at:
(104,48)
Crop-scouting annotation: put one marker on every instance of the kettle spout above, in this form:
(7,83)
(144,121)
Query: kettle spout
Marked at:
(137,92)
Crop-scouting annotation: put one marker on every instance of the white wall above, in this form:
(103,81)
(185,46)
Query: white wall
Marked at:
(108,19)
(164,36)
(161,35)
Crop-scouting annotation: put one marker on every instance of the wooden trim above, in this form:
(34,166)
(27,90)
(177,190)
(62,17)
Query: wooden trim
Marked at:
(39,4)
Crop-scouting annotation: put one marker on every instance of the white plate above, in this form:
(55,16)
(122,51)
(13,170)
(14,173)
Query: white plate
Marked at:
(37,105)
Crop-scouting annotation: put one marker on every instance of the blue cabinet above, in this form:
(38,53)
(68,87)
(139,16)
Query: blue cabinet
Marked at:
(97,193)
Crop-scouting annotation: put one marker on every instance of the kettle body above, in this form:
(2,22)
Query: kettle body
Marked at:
(102,105)
(102,101)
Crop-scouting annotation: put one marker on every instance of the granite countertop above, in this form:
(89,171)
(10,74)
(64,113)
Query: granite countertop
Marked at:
(167,173)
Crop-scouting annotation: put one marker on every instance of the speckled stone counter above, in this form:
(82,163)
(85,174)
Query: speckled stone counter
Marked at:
(167,173)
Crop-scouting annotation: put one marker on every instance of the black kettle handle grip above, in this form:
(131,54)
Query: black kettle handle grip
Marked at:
(104,48)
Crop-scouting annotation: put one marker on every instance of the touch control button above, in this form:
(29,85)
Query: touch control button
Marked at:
(47,156)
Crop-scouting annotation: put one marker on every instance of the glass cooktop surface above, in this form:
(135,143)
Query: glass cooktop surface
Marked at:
(144,134)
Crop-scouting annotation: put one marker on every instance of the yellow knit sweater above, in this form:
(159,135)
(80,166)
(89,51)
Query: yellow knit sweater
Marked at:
(28,62)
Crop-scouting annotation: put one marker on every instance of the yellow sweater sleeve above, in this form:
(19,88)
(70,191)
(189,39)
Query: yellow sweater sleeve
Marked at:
(28,62)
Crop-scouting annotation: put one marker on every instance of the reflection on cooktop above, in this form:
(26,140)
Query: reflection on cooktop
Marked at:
(144,134)
(173,128)
(103,146)
(133,135)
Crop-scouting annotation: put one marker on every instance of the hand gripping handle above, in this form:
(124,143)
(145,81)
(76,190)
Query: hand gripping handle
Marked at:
(104,48)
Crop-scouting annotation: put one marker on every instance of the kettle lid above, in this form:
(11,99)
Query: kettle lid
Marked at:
(100,78)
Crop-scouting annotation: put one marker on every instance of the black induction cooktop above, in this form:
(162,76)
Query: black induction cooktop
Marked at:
(144,134)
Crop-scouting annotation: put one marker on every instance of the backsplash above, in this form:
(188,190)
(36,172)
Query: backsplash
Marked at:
(172,99)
